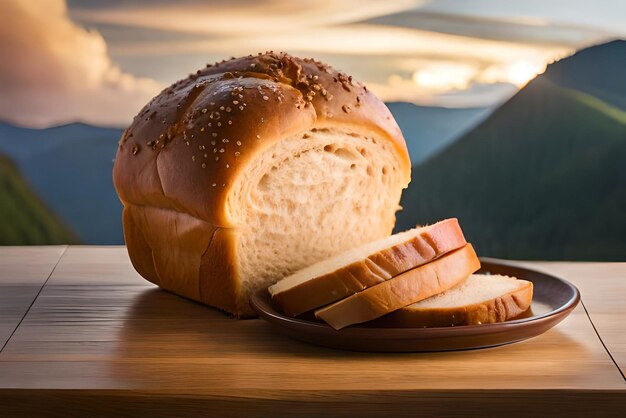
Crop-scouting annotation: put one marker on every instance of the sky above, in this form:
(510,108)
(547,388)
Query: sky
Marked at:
(99,61)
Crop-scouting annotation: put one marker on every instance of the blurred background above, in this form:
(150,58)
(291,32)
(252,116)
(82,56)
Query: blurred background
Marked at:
(514,112)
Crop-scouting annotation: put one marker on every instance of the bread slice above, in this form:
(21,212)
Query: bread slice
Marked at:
(350,272)
(481,299)
(407,288)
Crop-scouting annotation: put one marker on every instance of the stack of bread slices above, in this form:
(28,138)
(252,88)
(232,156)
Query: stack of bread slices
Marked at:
(419,278)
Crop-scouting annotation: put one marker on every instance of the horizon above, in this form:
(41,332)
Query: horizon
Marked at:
(430,53)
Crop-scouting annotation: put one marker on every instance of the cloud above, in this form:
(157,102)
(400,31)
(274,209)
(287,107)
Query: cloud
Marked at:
(504,28)
(241,17)
(604,15)
(436,52)
(53,71)
(434,62)
(352,39)
(372,40)
(474,94)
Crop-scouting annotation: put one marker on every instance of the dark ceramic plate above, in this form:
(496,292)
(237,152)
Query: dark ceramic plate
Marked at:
(553,300)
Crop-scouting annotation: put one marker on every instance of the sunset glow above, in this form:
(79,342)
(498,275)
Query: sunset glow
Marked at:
(103,60)
(521,72)
(444,77)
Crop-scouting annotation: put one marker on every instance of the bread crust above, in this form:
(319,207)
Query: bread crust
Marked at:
(189,147)
(407,288)
(433,242)
(499,309)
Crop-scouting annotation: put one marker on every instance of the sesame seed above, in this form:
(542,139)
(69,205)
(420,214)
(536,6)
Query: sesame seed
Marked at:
(227,165)
(203,165)
(212,142)
(229,109)
(214,134)
(238,143)
(221,107)
(265,98)
(235,102)
(221,150)
(230,122)
(240,107)
(258,136)
(237,153)
(193,158)
(206,155)
(214,185)
(202,129)
(225,141)
(135,150)
(205,109)
(217,158)
(214,150)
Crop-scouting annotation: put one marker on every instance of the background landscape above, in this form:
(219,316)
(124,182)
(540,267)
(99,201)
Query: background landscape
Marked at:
(523,140)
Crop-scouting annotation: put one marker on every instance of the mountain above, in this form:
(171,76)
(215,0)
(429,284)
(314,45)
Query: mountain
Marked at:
(24,219)
(544,177)
(428,130)
(598,71)
(70,168)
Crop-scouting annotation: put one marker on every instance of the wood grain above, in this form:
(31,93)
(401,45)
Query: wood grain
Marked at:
(603,290)
(23,271)
(28,265)
(99,339)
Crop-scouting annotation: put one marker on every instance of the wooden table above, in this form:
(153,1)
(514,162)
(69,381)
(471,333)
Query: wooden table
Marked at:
(83,335)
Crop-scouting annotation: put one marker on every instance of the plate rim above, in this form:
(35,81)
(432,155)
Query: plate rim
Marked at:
(430,332)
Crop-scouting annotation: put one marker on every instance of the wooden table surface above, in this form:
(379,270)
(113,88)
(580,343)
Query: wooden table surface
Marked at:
(82,334)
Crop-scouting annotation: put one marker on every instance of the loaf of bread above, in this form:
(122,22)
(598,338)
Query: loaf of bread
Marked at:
(480,299)
(407,288)
(347,273)
(252,169)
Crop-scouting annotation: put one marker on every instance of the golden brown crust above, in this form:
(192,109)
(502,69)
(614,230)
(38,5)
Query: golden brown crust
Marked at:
(431,243)
(407,288)
(251,103)
(188,147)
(499,309)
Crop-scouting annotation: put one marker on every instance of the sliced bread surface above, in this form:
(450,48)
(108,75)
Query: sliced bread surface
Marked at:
(365,266)
(480,299)
(407,288)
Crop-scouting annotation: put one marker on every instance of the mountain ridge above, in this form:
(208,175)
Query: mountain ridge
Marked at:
(544,177)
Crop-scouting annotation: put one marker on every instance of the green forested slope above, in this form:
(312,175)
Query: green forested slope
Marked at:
(544,177)
(23,217)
